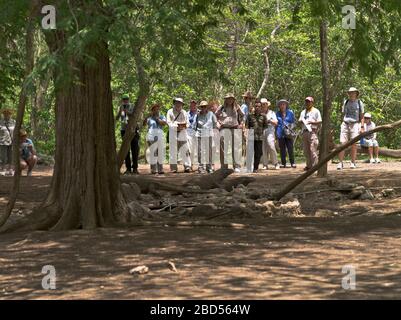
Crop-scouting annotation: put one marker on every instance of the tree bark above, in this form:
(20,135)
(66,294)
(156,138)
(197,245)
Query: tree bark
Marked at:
(85,191)
(323,161)
(325,131)
(86,188)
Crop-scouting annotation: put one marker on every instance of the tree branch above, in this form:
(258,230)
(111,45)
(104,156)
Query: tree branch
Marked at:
(279,195)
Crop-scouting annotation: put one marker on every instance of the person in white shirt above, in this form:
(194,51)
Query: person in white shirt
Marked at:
(204,123)
(370,141)
(7,126)
(178,122)
(310,119)
(269,146)
(192,141)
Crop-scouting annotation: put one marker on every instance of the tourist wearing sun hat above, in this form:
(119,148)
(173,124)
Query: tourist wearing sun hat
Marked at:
(155,139)
(178,122)
(229,119)
(7,126)
(352,125)
(192,140)
(370,141)
(285,126)
(310,120)
(269,146)
(203,125)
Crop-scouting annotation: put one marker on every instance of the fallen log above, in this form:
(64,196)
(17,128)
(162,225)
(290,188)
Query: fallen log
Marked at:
(384,152)
(330,156)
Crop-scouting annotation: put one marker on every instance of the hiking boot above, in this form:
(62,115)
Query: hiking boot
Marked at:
(255,171)
(277,167)
(378,160)
(283,166)
(340,166)
(187,170)
(265,167)
(294,166)
(127,172)
(372,161)
(353,165)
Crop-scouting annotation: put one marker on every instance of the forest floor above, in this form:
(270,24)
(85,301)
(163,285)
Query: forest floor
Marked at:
(271,258)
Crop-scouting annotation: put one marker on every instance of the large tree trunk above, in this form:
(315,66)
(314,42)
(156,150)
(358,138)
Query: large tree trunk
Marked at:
(325,131)
(86,189)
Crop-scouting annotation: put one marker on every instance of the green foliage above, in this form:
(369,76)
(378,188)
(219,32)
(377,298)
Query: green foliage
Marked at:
(201,49)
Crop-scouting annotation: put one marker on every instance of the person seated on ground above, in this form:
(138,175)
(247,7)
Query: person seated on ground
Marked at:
(28,156)
(370,141)
(6,135)
(256,123)
(204,123)
(155,139)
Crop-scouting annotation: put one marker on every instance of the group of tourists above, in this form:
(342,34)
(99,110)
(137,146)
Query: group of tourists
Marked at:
(231,132)
(27,151)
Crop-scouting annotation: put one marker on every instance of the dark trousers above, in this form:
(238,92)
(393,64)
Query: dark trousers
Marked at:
(286,144)
(134,151)
(258,152)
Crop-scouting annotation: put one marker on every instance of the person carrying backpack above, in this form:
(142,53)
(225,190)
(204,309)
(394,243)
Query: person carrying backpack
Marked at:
(353,123)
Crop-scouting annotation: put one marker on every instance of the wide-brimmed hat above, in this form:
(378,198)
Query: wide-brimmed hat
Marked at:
(264,100)
(310,99)
(229,95)
(367,115)
(193,101)
(203,104)
(178,100)
(22,133)
(154,106)
(6,110)
(125,97)
(282,101)
(353,89)
(248,94)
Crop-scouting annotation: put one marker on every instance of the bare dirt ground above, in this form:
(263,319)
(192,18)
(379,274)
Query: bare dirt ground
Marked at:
(272,258)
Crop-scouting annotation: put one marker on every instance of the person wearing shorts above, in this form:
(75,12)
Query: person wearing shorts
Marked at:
(370,141)
(352,125)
